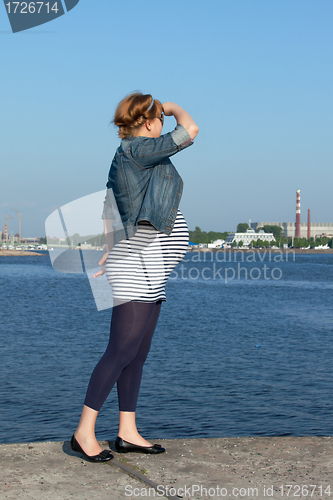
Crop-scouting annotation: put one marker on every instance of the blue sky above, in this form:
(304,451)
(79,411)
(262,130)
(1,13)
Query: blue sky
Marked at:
(256,75)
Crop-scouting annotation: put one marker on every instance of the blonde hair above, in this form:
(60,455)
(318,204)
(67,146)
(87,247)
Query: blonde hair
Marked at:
(133,111)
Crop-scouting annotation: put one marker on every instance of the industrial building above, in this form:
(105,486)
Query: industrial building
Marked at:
(289,228)
(300,229)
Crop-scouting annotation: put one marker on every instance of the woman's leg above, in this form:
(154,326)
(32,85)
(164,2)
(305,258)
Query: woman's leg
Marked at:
(85,432)
(128,326)
(128,385)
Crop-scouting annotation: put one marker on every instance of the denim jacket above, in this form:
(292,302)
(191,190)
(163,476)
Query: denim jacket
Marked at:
(144,182)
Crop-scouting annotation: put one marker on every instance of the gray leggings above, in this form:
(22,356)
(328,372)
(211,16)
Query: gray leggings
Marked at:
(132,328)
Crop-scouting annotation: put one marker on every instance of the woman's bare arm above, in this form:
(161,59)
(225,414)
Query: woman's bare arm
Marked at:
(182,117)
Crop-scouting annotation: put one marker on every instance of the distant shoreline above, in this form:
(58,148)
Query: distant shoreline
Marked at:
(263,250)
(24,253)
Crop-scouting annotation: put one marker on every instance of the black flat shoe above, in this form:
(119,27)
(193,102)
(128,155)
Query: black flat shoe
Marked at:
(104,456)
(124,446)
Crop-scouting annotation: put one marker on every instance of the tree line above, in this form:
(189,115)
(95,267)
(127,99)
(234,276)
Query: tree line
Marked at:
(198,236)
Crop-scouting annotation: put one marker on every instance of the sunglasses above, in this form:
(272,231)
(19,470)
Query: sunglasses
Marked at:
(161,118)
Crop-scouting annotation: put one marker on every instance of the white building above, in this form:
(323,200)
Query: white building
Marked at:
(216,244)
(248,236)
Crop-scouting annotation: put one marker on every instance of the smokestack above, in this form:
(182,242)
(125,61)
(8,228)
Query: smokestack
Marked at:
(298,214)
(309,225)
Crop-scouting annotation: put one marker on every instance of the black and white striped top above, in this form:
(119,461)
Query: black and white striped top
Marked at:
(138,268)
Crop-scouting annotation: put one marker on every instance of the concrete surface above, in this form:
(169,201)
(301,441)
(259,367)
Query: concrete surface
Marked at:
(17,253)
(192,469)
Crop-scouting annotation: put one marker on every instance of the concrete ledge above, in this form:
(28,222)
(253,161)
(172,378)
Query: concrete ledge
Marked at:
(246,467)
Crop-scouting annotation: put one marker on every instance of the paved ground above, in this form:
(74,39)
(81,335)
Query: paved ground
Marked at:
(192,469)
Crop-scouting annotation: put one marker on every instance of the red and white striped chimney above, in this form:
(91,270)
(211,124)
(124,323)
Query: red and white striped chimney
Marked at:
(298,214)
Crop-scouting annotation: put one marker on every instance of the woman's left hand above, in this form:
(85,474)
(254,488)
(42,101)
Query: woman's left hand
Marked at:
(101,263)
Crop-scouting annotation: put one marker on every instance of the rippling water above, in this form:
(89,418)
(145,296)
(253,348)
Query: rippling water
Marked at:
(238,350)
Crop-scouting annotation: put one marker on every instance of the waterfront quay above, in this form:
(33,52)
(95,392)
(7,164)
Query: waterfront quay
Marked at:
(19,253)
(192,469)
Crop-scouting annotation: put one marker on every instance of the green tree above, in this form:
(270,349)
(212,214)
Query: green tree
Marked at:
(276,230)
(240,244)
(259,243)
(242,227)
(322,240)
(198,236)
(213,235)
(42,241)
(312,242)
(300,242)
(234,244)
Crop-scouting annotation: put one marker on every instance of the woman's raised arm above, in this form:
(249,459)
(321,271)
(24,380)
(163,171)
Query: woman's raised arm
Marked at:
(182,117)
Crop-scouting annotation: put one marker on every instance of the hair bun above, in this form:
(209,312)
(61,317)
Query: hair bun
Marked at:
(133,111)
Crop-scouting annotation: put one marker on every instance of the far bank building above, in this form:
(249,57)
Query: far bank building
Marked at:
(248,236)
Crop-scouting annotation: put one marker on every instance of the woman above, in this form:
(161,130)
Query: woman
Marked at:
(152,240)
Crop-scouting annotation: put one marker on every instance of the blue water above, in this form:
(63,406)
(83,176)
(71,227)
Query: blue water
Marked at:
(231,355)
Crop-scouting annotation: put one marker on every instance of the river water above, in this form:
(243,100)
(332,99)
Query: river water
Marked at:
(243,347)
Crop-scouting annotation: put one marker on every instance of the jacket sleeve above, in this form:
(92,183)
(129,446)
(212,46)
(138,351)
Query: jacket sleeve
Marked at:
(111,217)
(110,208)
(107,207)
(150,151)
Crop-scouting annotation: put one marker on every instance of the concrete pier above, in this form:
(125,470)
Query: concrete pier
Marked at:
(192,469)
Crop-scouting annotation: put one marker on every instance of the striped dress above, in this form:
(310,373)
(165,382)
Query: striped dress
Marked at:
(138,268)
